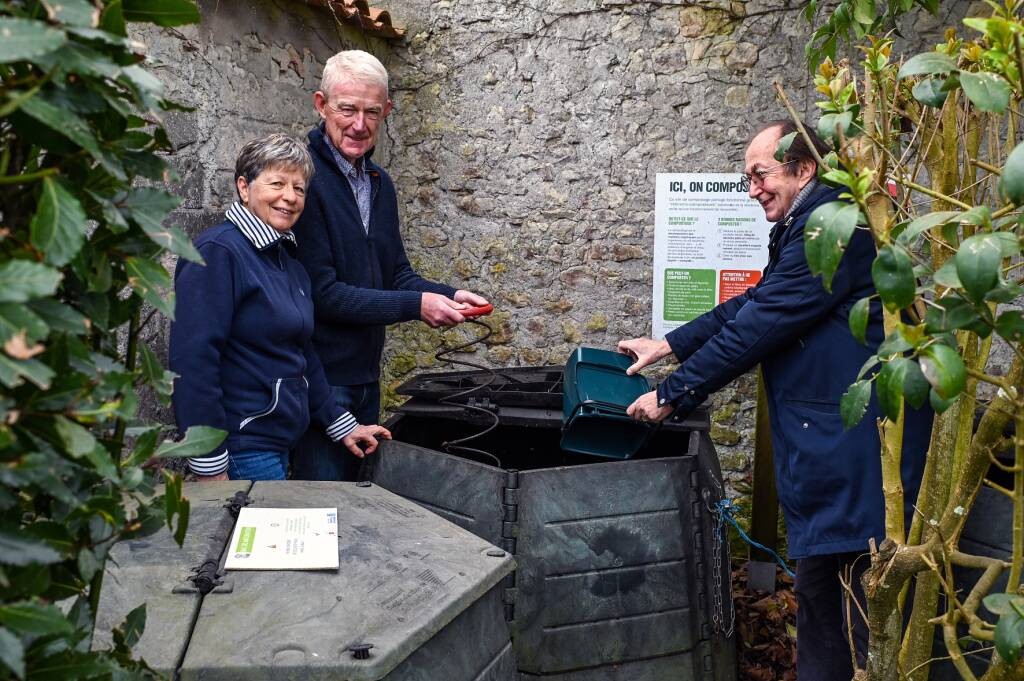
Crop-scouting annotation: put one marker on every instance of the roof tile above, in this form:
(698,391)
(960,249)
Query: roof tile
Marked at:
(372,21)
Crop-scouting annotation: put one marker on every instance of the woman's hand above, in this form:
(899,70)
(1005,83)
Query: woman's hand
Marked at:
(644,351)
(213,478)
(366,436)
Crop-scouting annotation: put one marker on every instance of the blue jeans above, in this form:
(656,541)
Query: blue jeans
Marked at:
(315,457)
(257,464)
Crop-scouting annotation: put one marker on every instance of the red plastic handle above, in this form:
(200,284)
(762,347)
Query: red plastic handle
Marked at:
(477,311)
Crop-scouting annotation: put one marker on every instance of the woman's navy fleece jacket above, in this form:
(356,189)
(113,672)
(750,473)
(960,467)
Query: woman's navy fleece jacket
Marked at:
(241,346)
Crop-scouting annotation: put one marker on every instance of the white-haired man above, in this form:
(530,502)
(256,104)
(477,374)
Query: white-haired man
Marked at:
(350,244)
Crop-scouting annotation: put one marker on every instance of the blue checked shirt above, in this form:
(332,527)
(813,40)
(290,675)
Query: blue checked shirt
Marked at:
(357,179)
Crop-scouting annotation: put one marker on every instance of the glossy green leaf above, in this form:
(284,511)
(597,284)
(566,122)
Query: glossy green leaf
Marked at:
(145,447)
(1011,182)
(944,369)
(100,459)
(927,64)
(59,316)
(175,505)
(148,279)
(889,386)
(88,564)
(19,549)
(17,318)
(915,385)
(112,18)
(893,274)
(198,441)
(924,223)
(58,227)
(131,630)
(25,39)
(854,403)
(830,126)
(64,122)
(1005,292)
(161,12)
(1009,637)
(146,86)
(858,319)
(826,234)
(154,373)
(784,144)
(864,12)
(72,12)
(77,440)
(74,57)
(34,618)
(946,275)
(14,372)
(1004,604)
(12,653)
(978,262)
(148,207)
(894,343)
(1009,243)
(1010,326)
(952,313)
(930,92)
(987,91)
(978,215)
(22,280)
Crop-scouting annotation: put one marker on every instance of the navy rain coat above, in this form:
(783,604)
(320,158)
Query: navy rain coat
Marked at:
(829,478)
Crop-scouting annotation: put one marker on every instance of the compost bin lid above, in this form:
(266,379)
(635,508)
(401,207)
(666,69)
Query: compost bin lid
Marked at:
(405,574)
(154,571)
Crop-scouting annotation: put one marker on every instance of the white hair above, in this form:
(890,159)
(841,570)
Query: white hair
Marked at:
(354,65)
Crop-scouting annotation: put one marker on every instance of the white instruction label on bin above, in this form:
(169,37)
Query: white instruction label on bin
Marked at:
(284,539)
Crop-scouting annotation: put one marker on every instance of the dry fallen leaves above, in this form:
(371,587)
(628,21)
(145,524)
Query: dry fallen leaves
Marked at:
(765,629)
(17,346)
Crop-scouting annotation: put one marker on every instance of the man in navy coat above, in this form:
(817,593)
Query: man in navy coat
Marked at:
(829,478)
(349,242)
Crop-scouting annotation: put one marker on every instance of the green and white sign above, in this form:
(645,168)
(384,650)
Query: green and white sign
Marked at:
(710,244)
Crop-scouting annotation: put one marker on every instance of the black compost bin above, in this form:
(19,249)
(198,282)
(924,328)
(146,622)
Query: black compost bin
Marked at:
(620,576)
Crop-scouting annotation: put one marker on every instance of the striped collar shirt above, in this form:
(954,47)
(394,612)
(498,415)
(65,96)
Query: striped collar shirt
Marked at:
(358,180)
(802,196)
(259,233)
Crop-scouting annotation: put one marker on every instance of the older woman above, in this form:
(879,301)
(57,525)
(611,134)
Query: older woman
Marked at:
(240,342)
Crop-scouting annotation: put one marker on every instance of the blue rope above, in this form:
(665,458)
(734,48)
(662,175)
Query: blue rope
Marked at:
(724,510)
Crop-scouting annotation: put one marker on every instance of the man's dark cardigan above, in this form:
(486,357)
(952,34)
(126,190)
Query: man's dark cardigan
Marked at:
(361,281)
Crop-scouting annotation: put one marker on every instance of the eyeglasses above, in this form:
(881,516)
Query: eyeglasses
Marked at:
(347,112)
(757,177)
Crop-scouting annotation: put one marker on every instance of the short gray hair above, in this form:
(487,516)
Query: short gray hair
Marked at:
(276,149)
(355,65)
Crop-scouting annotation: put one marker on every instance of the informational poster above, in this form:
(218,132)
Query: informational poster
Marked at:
(710,244)
(284,539)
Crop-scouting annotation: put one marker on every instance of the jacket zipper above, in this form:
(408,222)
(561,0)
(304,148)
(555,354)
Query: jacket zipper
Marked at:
(277,390)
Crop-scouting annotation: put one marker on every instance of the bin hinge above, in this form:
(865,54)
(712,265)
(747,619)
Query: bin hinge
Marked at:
(482,403)
(509,535)
(236,503)
(205,579)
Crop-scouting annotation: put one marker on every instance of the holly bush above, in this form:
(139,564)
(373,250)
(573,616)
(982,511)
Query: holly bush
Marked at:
(82,209)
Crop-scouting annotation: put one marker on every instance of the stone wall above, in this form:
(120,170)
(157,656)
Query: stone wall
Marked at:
(524,143)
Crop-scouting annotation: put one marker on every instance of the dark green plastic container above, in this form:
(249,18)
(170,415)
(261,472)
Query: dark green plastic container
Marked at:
(596,395)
